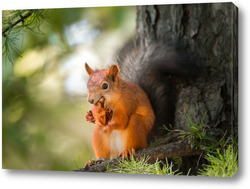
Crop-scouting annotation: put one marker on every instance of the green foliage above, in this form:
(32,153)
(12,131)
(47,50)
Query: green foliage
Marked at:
(14,24)
(221,157)
(196,133)
(143,167)
(196,130)
(223,164)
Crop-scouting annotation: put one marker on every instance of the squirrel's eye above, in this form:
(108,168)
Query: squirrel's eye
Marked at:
(104,86)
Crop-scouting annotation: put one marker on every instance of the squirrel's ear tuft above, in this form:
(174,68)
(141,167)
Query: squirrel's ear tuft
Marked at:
(88,69)
(113,71)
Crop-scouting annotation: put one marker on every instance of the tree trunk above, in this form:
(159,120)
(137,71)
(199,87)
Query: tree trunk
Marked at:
(210,32)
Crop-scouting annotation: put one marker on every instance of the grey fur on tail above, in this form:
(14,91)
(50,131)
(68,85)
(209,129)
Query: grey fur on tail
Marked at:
(153,68)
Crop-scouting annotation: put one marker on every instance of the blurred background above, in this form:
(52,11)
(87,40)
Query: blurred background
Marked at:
(44,83)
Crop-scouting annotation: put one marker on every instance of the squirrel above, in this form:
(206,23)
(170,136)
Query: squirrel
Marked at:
(134,97)
(132,115)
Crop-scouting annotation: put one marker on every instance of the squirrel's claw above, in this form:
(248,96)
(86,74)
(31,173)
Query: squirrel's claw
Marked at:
(94,162)
(88,164)
(100,160)
(127,153)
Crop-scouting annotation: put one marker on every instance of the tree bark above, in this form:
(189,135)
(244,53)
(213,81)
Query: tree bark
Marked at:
(209,31)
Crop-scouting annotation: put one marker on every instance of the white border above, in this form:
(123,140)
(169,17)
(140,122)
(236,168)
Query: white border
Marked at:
(44,179)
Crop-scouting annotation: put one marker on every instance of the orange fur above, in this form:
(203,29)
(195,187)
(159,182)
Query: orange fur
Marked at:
(132,119)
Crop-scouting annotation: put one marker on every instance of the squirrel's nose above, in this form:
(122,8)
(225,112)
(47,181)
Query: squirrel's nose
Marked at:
(91,101)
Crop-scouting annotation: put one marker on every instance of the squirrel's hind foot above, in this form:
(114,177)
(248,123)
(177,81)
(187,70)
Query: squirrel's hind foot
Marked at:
(94,162)
(127,153)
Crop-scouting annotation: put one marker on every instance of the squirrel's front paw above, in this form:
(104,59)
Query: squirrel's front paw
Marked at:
(89,117)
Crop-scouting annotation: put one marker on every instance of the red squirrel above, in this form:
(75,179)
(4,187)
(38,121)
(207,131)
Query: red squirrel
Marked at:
(122,112)
(131,104)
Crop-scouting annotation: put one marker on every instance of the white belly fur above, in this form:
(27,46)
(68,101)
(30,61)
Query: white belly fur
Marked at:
(116,144)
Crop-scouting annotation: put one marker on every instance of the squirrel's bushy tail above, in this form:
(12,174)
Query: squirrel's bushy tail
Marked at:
(153,67)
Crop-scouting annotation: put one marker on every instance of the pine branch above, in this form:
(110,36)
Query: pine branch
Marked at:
(12,29)
(22,19)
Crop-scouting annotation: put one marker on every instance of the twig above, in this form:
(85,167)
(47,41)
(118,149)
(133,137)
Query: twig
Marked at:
(170,138)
